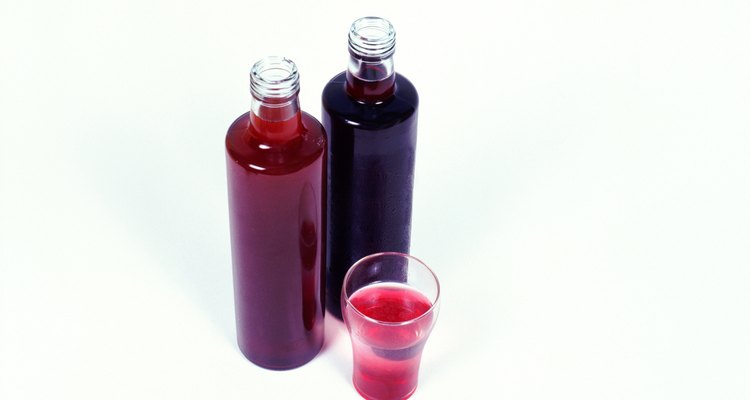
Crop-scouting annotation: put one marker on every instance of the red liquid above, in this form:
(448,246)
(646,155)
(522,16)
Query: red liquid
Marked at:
(387,356)
(276,181)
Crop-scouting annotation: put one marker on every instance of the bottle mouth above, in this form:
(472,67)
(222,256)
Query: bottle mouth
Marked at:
(274,77)
(372,37)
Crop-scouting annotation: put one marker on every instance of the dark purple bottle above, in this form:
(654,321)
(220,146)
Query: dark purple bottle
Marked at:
(370,115)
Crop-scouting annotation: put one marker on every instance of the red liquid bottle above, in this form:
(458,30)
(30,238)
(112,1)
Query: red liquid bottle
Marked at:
(370,115)
(276,162)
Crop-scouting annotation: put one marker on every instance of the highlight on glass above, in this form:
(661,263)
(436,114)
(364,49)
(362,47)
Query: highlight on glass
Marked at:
(390,302)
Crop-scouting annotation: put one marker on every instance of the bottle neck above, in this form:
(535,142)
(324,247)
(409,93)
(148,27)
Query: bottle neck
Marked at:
(370,81)
(275,113)
(276,122)
(370,77)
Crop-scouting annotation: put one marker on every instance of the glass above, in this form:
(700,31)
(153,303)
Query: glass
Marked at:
(276,158)
(370,116)
(390,304)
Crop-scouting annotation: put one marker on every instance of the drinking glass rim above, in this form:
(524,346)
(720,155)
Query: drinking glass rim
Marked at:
(391,253)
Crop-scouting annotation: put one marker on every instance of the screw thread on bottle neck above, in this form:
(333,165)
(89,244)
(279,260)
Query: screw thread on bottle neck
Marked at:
(274,85)
(370,75)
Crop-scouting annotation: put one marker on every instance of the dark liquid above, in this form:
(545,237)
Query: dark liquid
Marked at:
(370,176)
(277,220)
(387,357)
(370,91)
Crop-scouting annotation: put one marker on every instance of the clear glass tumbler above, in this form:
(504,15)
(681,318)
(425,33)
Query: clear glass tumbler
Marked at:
(390,304)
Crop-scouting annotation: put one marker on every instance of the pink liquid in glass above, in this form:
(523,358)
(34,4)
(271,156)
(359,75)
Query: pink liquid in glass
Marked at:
(387,349)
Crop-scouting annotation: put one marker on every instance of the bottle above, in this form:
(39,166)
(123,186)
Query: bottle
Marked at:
(370,115)
(276,162)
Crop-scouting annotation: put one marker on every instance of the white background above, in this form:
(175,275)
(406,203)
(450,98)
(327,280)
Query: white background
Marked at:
(582,191)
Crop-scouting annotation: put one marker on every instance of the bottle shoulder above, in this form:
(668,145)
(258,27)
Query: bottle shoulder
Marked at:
(402,106)
(270,158)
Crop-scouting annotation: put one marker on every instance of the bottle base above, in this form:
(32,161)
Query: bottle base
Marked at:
(282,365)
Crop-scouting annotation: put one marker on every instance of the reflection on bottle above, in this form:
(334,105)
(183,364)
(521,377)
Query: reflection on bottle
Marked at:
(308,252)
